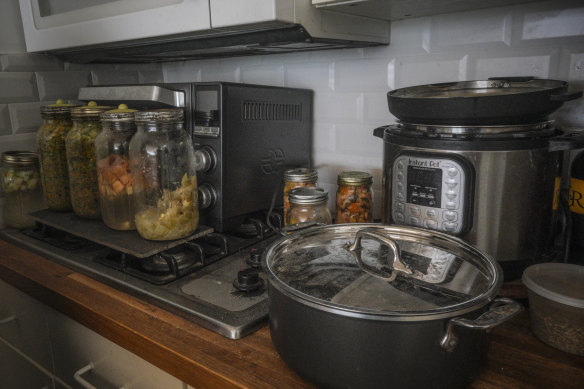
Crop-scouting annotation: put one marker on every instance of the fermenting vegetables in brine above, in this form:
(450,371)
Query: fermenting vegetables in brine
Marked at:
(52,154)
(354,198)
(22,188)
(114,176)
(308,205)
(297,178)
(81,160)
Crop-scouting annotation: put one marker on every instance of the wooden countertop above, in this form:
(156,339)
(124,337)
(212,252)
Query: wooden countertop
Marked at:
(203,359)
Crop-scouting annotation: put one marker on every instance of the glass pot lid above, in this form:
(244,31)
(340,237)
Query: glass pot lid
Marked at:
(384,272)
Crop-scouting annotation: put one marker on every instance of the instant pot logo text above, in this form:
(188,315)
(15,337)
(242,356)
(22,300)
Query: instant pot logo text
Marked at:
(272,161)
(576,196)
(423,162)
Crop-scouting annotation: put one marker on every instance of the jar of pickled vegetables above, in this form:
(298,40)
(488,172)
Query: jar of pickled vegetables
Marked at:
(114,177)
(308,205)
(52,154)
(164,176)
(354,197)
(297,178)
(81,160)
(21,185)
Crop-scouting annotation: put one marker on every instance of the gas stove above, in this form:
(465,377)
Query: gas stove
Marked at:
(212,279)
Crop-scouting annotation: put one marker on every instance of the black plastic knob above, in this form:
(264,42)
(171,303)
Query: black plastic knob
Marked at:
(255,258)
(248,280)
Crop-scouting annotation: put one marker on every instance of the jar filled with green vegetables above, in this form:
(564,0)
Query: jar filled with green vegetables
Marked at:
(114,176)
(81,160)
(52,154)
(21,185)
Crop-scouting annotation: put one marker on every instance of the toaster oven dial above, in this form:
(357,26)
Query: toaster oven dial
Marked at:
(207,196)
(206,159)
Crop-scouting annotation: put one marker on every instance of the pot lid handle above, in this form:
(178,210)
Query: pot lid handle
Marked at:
(386,273)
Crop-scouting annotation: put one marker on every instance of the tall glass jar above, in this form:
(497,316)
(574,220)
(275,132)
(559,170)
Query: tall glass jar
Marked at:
(297,178)
(164,176)
(354,197)
(80,145)
(308,205)
(21,184)
(114,176)
(52,154)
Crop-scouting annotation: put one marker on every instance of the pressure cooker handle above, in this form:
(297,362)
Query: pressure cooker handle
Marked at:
(386,273)
(501,310)
(379,131)
(569,140)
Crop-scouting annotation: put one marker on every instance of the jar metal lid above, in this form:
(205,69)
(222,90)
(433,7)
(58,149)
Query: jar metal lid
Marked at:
(91,110)
(163,115)
(59,108)
(307,196)
(300,174)
(20,158)
(354,178)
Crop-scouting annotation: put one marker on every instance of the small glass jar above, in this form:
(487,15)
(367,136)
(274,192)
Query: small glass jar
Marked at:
(21,184)
(114,176)
(308,205)
(53,156)
(354,197)
(80,145)
(164,174)
(297,178)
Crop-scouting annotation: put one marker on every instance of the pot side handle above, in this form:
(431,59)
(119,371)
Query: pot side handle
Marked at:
(570,140)
(501,310)
(379,131)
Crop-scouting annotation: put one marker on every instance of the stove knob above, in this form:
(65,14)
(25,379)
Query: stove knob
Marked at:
(248,280)
(255,258)
(207,196)
(205,158)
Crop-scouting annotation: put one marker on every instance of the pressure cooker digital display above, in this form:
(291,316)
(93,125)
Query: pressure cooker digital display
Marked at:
(429,192)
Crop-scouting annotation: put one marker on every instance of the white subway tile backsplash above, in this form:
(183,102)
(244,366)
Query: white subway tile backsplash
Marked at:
(132,67)
(472,30)
(410,36)
(363,75)
(228,71)
(358,140)
(323,139)
(416,70)
(576,71)
(5,125)
(108,67)
(338,108)
(182,71)
(100,77)
(263,74)
(18,87)
(61,85)
(312,75)
(554,23)
(25,117)
(21,142)
(527,65)
(150,76)
(375,110)
(11,32)
(29,62)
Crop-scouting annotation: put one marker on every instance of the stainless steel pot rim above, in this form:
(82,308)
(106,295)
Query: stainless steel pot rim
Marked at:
(467,306)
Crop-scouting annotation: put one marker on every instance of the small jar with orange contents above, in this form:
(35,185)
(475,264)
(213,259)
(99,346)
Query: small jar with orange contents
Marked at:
(297,178)
(354,197)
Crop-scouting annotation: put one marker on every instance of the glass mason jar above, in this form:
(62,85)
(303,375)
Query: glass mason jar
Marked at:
(308,205)
(80,145)
(164,176)
(21,184)
(354,197)
(297,178)
(52,154)
(114,177)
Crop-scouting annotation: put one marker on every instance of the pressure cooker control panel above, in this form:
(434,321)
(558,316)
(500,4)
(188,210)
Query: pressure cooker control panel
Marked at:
(429,193)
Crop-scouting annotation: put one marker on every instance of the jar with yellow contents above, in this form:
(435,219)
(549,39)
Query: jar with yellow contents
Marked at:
(354,197)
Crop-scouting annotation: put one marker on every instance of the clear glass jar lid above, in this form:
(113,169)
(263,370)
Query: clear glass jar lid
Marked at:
(391,272)
(20,158)
(301,174)
(162,115)
(307,196)
(354,178)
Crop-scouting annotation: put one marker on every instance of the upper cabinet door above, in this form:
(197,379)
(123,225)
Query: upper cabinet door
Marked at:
(60,24)
(229,13)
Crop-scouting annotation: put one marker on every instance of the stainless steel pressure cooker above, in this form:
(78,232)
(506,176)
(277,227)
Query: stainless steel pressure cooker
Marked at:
(493,185)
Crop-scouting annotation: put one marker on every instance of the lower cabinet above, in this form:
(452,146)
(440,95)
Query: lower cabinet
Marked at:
(42,348)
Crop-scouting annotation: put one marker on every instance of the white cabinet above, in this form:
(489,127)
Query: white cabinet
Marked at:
(40,347)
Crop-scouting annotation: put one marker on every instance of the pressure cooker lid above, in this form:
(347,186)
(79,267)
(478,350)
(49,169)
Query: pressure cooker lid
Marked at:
(394,272)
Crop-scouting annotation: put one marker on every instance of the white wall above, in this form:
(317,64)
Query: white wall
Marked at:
(543,39)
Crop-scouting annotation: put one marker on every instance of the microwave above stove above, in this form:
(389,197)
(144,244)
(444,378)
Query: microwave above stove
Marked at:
(244,135)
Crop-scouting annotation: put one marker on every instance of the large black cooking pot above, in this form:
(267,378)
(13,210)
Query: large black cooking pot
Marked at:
(372,306)
(511,100)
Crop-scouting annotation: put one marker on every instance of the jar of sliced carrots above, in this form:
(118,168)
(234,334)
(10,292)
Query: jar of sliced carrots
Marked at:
(354,197)
(113,168)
